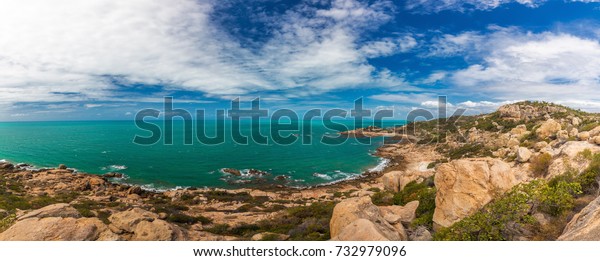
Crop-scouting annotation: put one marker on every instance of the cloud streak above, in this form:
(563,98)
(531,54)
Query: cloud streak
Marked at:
(70,50)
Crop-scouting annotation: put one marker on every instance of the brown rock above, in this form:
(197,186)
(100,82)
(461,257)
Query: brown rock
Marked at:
(548,129)
(465,186)
(350,211)
(420,234)
(62,166)
(585,225)
(137,190)
(363,230)
(397,214)
(269,236)
(57,229)
(57,210)
(583,136)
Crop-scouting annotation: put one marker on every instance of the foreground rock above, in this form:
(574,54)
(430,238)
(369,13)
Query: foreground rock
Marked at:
(584,226)
(357,219)
(140,225)
(465,186)
(57,222)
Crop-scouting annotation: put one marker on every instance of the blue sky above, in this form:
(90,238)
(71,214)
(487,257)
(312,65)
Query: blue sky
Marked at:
(101,59)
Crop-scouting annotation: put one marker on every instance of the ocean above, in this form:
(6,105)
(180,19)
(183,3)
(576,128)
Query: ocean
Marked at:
(100,147)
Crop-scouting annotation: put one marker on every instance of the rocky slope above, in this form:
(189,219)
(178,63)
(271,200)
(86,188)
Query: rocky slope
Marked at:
(529,171)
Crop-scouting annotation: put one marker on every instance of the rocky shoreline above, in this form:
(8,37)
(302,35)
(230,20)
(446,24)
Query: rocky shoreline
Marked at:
(529,171)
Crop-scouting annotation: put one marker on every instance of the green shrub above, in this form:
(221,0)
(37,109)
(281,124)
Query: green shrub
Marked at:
(182,218)
(540,164)
(383,198)
(301,223)
(590,177)
(423,192)
(503,218)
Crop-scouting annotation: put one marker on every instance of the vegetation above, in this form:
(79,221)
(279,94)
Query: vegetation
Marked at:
(540,164)
(506,217)
(423,192)
(301,223)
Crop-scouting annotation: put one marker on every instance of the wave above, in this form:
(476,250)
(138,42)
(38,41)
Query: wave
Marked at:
(322,176)
(381,166)
(114,167)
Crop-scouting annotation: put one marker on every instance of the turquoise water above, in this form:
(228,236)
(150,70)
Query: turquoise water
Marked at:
(104,146)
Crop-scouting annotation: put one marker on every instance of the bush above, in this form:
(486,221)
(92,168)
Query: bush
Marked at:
(301,223)
(590,177)
(505,217)
(540,164)
(188,220)
(423,192)
(383,198)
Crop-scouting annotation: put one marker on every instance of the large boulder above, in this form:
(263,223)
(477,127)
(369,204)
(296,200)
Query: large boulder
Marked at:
(143,225)
(548,129)
(363,230)
(358,219)
(269,236)
(523,154)
(397,214)
(391,180)
(465,186)
(57,210)
(585,225)
(583,136)
(58,229)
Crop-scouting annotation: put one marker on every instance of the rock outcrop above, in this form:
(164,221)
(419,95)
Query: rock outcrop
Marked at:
(143,225)
(465,186)
(57,222)
(358,219)
(584,226)
(548,129)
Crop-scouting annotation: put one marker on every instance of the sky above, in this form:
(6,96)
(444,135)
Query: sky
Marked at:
(108,59)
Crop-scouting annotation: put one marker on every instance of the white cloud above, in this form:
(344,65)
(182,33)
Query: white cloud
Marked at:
(91,105)
(428,6)
(61,50)
(517,65)
(387,47)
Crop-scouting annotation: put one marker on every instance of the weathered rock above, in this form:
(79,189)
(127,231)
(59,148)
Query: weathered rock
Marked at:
(420,234)
(62,166)
(6,165)
(595,132)
(364,230)
(58,228)
(234,172)
(519,130)
(127,220)
(562,135)
(523,155)
(348,213)
(540,145)
(573,132)
(111,175)
(583,136)
(57,210)
(137,190)
(397,214)
(585,225)
(465,186)
(596,140)
(157,230)
(269,236)
(145,226)
(391,180)
(513,142)
(576,121)
(548,129)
